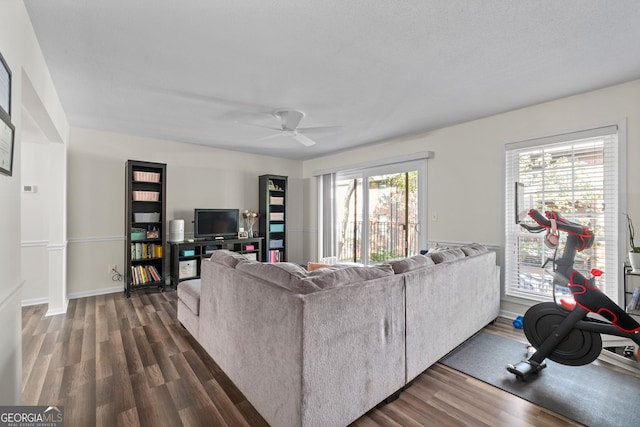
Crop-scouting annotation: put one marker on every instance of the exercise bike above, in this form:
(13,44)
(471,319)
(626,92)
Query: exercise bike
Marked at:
(560,330)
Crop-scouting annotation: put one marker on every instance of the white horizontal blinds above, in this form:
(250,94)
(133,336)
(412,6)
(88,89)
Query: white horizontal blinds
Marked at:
(575,175)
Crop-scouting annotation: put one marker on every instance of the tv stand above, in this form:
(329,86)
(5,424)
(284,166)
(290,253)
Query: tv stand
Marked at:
(186,257)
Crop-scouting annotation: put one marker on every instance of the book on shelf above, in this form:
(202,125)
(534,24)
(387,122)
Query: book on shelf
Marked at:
(145,251)
(274,256)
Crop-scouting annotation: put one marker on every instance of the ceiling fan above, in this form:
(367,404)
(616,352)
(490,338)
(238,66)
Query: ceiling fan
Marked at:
(290,119)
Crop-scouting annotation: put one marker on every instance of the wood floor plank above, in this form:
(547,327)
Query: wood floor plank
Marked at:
(147,358)
(163,356)
(128,418)
(116,361)
(123,397)
(106,416)
(225,406)
(30,349)
(33,384)
(88,351)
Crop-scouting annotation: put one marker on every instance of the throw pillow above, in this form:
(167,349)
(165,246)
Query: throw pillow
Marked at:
(410,264)
(447,255)
(228,258)
(340,275)
(312,266)
(285,274)
(474,249)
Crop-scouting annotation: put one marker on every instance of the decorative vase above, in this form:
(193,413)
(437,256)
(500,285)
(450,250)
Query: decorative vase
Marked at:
(634,260)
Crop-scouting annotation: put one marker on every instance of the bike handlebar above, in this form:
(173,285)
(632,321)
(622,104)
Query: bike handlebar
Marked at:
(544,223)
(561,222)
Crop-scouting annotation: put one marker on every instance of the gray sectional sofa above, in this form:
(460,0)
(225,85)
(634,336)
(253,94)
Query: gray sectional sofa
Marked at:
(322,348)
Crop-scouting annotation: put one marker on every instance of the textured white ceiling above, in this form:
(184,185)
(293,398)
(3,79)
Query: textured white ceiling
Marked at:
(211,72)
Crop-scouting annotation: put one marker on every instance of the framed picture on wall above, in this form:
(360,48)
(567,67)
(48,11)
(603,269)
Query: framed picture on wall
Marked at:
(6,144)
(5,87)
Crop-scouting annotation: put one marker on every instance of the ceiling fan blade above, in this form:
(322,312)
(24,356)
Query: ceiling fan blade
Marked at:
(259,126)
(318,129)
(275,135)
(214,99)
(304,140)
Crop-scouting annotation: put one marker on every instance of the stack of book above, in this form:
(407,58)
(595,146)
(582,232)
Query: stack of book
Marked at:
(143,274)
(145,251)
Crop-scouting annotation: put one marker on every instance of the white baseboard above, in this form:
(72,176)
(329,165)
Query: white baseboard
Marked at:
(34,301)
(509,314)
(96,292)
(61,310)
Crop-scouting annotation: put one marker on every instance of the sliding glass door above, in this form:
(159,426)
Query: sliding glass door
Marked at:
(378,213)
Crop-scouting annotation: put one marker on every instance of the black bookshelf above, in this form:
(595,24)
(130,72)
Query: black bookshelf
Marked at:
(272,221)
(145,220)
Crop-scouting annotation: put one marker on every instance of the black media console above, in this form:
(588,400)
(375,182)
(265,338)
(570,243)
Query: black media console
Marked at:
(186,257)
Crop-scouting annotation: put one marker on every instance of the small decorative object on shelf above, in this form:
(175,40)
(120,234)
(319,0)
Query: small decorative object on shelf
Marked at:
(250,218)
(153,234)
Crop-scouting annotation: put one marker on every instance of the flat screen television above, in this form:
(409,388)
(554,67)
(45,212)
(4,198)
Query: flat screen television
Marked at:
(216,223)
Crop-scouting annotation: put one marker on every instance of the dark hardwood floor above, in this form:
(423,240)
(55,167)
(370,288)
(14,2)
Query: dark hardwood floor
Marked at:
(116,361)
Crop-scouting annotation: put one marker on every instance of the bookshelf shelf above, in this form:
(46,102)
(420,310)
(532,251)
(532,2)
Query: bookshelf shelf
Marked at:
(145,213)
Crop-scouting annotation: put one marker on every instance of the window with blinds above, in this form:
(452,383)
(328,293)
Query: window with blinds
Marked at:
(575,175)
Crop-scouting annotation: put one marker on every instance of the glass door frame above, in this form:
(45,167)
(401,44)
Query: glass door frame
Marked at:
(420,166)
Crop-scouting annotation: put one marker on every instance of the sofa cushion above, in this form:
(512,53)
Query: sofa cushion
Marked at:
(339,275)
(285,274)
(474,249)
(448,255)
(409,264)
(189,294)
(228,258)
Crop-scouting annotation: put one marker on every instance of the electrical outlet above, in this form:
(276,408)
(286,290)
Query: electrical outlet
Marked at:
(111,267)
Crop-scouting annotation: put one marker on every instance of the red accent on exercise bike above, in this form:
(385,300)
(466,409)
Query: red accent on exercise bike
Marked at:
(568,304)
(588,296)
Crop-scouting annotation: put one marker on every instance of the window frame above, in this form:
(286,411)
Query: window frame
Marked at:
(326,199)
(618,175)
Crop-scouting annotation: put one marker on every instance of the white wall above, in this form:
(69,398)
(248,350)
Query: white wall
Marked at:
(197,177)
(34,224)
(465,177)
(22,53)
